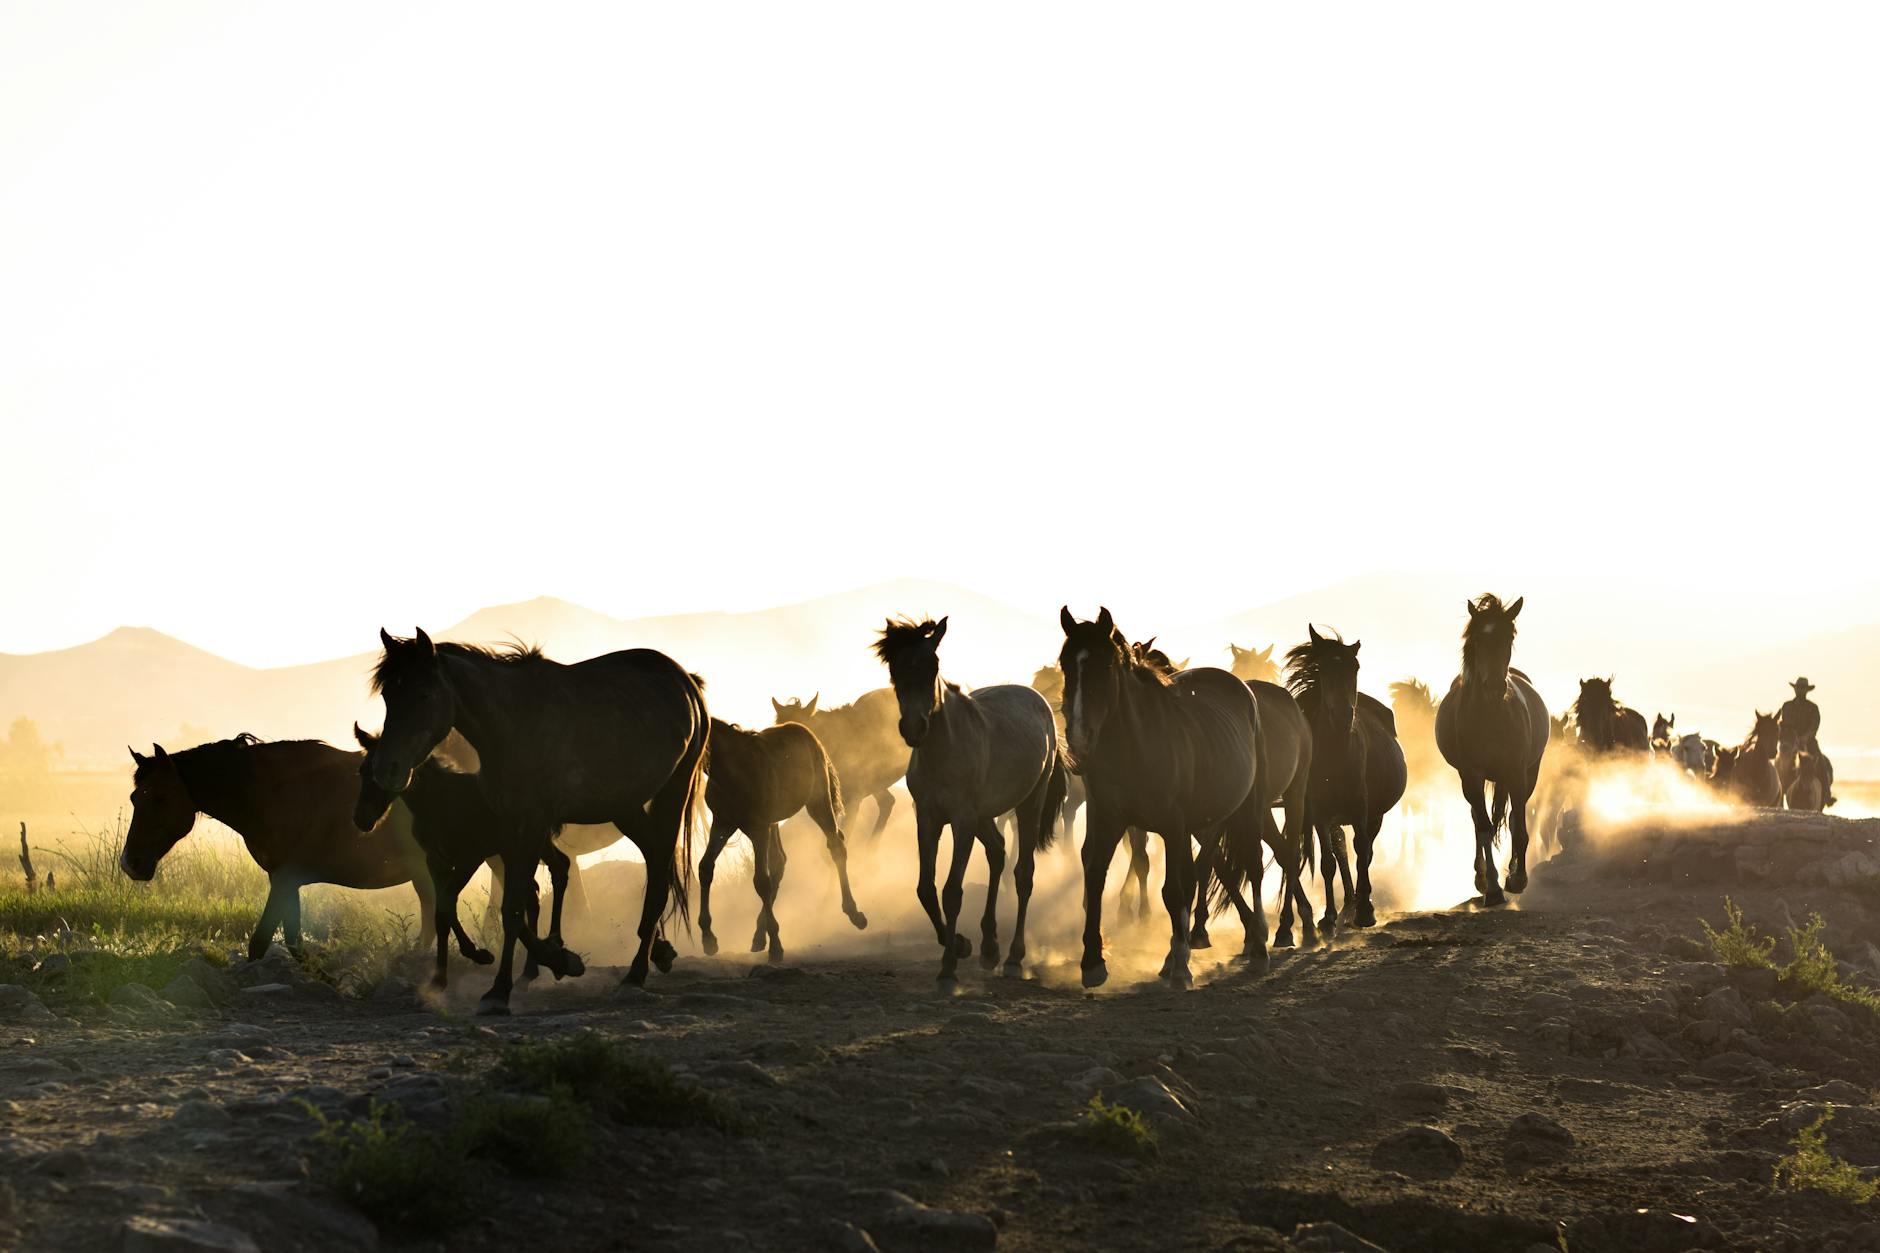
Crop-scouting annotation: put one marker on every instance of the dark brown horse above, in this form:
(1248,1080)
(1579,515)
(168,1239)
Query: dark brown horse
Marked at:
(1178,756)
(1492,727)
(619,738)
(1357,765)
(755,780)
(1753,777)
(976,755)
(860,738)
(291,802)
(1604,724)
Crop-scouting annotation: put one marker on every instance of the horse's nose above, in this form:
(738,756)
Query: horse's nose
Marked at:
(388,777)
(913,731)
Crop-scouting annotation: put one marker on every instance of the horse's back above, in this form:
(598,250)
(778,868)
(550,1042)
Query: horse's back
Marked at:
(1285,738)
(1019,708)
(1523,735)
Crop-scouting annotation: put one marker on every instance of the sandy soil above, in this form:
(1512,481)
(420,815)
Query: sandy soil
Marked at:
(1587,1081)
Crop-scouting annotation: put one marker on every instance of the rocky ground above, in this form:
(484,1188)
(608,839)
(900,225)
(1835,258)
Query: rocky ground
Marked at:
(1576,1073)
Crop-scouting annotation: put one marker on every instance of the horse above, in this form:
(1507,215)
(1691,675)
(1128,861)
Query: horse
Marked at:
(1492,727)
(1604,724)
(1254,663)
(755,780)
(288,800)
(618,738)
(1048,683)
(1174,754)
(1753,777)
(1722,774)
(1807,790)
(1798,728)
(860,738)
(1358,771)
(976,755)
(1689,752)
(453,821)
(1662,727)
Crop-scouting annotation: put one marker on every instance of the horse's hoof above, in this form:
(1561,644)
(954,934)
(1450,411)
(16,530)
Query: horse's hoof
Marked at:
(1282,939)
(776,954)
(481,956)
(529,972)
(663,955)
(709,943)
(1308,938)
(635,977)
(1254,958)
(571,965)
(1328,923)
(438,981)
(860,920)
(962,947)
(759,942)
(1198,938)
(1014,968)
(1096,976)
(1517,881)
(1178,976)
(988,954)
(490,1007)
(947,980)
(1494,900)
(1365,917)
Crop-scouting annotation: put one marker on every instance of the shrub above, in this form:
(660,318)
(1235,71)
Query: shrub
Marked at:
(526,1134)
(394,1171)
(1738,944)
(1116,1129)
(1812,1168)
(609,1079)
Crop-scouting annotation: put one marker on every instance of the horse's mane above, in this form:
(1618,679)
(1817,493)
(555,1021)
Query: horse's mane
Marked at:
(1612,703)
(1302,665)
(1412,693)
(898,634)
(223,757)
(1484,604)
(508,653)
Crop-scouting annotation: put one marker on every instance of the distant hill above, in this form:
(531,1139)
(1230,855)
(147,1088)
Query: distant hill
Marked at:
(137,685)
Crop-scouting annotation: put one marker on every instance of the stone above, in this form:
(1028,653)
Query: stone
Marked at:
(63,1163)
(742,1071)
(1420,1151)
(310,1216)
(916,1228)
(258,991)
(1094,1080)
(135,996)
(1416,1094)
(1331,1238)
(200,1116)
(1755,982)
(1697,975)
(145,1234)
(1535,1140)
(18,1003)
(1725,1006)
(185,993)
(1151,1098)
(848,1238)
(1836,1091)
(54,966)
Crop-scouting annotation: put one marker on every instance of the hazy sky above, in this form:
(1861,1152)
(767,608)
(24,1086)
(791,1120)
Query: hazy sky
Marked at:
(317,317)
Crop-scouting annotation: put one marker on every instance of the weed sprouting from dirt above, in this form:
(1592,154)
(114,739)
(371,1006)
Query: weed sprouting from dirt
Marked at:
(1738,944)
(526,1134)
(1811,1167)
(605,1076)
(393,1170)
(1116,1129)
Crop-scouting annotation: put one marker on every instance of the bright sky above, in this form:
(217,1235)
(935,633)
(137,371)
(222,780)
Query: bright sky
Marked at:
(318,317)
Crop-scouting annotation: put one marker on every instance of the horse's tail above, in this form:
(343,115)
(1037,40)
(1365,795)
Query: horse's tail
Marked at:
(832,784)
(1499,814)
(1057,786)
(691,767)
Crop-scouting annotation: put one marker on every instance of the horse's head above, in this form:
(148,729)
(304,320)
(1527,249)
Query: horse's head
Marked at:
(162,812)
(1662,725)
(1147,654)
(419,709)
(912,653)
(1488,640)
(373,800)
(1327,667)
(796,710)
(1093,661)
(1254,663)
(1766,734)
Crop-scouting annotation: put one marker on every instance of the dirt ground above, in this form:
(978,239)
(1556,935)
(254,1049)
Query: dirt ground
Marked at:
(1570,1073)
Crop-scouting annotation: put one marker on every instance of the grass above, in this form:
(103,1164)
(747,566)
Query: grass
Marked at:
(1811,967)
(1116,1129)
(394,1171)
(610,1079)
(536,1136)
(1812,1168)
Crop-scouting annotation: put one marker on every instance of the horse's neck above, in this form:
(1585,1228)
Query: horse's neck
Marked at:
(1147,729)
(952,717)
(224,795)
(484,714)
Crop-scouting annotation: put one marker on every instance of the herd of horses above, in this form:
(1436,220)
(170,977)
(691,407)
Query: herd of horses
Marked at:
(507,758)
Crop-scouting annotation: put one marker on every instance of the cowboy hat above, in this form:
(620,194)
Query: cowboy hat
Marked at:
(1802,687)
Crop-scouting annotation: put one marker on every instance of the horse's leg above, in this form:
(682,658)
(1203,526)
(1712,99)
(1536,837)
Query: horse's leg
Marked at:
(659,846)
(1485,882)
(762,864)
(778,861)
(425,886)
(519,879)
(532,912)
(1288,875)
(1204,870)
(1102,833)
(1329,834)
(1342,849)
(884,805)
(822,813)
(493,908)
(994,841)
(560,867)
(952,894)
(721,833)
(270,920)
(1130,911)
(928,826)
(1031,830)
(1518,826)
(1365,915)
(1178,892)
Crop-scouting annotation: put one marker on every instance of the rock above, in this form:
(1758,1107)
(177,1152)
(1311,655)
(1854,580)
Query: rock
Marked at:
(1151,1098)
(1331,1238)
(311,1216)
(1825,1022)
(1798,1114)
(63,1164)
(185,993)
(743,1072)
(1094,1080)
(1687,948)
(1421,1151)
(54,966)
(1535,1140)
(1550,1005)
(258,991)
(1698,976)
(1836,1091)
(1755,982)
(228,1058)
(847,1237)
(1725,1006)
(183,1235)
(394,990)
(18,1003)
(915,1228)
(1418,1095)
(200,1116)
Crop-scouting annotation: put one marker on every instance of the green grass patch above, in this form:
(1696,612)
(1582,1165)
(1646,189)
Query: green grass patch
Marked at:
(1812,1168)
(610,1079)
(526,1134)
(1738,944)
(1116,1129)
(394,1171)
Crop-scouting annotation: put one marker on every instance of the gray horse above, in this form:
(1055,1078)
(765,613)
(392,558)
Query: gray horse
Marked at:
(976,756)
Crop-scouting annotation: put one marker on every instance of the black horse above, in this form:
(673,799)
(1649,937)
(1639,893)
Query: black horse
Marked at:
(755,780)
(619,738)
(1605,725)
(1358,771)
(1177,755)
(1492,727)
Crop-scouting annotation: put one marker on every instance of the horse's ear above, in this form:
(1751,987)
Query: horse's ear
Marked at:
(1470,606)
(1514,610)
(1183,663)
(1267,653)
(776,704)
(1147,644)
(939,630)
(1065,620)
(156,750)
(1355,646)
(366,739)
(385,638)
(811,707)
(136,756)
(424,641)
(1312,633)
(1235,649)
(1105,623)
